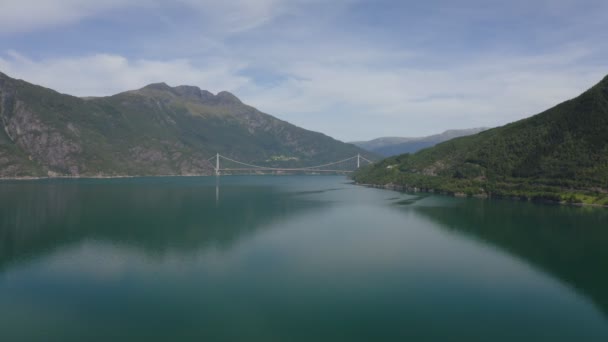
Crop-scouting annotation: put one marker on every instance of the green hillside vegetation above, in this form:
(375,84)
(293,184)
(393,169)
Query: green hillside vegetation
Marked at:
(558,155)
(156,130)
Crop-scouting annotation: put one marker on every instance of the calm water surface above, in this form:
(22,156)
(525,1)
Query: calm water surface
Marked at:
(294,258)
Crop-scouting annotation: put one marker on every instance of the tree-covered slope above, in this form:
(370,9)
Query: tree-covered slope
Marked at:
(560,154)
(156,130)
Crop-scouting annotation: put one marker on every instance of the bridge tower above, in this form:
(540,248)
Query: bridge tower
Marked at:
(358,160)
(217,164)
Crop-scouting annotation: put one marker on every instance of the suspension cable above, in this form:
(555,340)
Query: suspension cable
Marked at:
(367,160)
(275,168)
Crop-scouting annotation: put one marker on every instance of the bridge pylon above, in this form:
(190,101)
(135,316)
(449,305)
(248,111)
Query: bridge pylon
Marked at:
(217,164)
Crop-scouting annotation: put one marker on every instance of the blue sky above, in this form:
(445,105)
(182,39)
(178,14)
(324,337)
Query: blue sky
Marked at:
(352,69)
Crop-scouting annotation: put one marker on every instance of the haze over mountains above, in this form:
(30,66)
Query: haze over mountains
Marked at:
(392,146)
(560,154)
(155,130)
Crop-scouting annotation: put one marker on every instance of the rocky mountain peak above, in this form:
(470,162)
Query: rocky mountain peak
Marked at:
(193,92)
(225,97)
(162,86)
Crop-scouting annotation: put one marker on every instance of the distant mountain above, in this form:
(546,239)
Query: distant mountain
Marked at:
(559,155)
(156,130)
(392,146)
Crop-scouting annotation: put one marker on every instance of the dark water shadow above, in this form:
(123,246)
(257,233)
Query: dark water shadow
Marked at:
(570,244)
(314,192)
(410,200)
(156,217)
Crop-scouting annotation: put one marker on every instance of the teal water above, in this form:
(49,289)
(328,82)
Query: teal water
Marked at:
(293,258)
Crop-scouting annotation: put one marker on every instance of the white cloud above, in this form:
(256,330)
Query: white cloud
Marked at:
(237,15)
(350,101)
(27,15)
(221,16)
(108,74)
(356,101)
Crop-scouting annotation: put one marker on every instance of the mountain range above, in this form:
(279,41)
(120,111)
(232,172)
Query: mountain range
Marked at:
(559,155)
(155,130)
(392,146)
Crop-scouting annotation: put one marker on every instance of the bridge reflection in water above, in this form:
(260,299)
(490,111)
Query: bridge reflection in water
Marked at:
(328,168)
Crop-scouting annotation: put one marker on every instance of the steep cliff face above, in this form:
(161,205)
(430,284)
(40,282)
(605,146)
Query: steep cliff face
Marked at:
(156,130)
(41,141)
(13,161)
(34,145)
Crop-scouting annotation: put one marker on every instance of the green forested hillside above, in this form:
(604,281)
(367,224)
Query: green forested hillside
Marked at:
(156,130)
(560,154)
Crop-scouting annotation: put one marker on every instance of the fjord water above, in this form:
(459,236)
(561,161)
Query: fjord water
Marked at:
(293,258)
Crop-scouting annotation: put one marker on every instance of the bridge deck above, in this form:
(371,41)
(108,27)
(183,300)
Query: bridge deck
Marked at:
(245,167)
(284,170)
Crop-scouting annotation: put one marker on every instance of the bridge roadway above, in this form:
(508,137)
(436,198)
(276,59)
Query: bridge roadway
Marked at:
(314,169)
(284,170)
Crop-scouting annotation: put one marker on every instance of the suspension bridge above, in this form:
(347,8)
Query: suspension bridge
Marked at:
(235,166)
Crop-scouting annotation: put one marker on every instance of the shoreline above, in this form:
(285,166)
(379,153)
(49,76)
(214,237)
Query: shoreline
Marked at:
(92,177)
(30,178)
(404,189)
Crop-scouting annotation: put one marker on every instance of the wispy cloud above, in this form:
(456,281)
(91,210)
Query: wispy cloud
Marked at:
(27,15)
(353,69)
(228,16)
(237,15)
(355,101)
(348,101)
(108,74)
